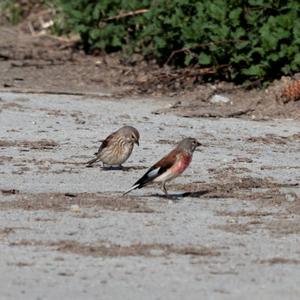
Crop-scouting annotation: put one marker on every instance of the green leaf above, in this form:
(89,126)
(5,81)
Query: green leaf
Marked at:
(296,60)
(187,59)
(255,71)
(234,16)
(239,45)
(239,59)
(204,59)
(256,2)
(286,69)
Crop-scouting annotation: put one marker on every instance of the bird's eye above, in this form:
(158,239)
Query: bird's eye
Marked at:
(133,137)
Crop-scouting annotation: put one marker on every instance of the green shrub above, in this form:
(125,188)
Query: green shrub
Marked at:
(10,11)
(15,11)
(241,39)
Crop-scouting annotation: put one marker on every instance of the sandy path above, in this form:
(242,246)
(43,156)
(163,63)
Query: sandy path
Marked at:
(235,236)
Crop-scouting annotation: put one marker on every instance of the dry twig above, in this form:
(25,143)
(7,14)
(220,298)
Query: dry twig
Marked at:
(188,49)
(126,14)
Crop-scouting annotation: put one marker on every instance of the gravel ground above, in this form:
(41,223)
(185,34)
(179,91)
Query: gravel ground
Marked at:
(232,232)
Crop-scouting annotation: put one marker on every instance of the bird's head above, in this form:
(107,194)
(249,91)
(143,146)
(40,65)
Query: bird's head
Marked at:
(188,145)
(131,134)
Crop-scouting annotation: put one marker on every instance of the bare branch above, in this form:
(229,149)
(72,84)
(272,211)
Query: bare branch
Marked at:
(188,49)
(126,14)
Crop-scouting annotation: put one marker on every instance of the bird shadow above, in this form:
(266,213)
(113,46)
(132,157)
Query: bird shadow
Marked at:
(117,168)
(109,168)
(179,196)
(130,168)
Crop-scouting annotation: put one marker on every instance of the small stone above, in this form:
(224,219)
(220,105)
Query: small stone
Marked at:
(219,99)
(75,208)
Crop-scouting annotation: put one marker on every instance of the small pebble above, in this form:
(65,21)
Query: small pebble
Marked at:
(219,99)
(75,208)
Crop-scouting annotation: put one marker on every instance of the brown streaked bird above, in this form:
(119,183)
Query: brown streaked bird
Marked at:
(170,166)
(117,147)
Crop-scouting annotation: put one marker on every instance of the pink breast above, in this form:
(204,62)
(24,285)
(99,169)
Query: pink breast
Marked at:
(182,164)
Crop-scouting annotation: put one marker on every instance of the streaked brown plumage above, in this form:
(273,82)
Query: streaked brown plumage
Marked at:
(117,147)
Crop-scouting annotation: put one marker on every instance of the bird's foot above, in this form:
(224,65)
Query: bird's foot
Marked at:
(112,168)
(125,169)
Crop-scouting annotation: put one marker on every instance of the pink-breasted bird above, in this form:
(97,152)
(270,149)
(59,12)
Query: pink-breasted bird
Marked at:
(170,166)
(117,147)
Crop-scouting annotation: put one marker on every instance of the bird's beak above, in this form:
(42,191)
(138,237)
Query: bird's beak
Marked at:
(137,142)
(199,144)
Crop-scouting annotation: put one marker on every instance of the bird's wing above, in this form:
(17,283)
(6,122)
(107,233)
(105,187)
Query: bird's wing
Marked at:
(105,143)
(156,170)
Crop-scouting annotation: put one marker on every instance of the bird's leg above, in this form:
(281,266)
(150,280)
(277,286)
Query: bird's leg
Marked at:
(165,189)
(167,195)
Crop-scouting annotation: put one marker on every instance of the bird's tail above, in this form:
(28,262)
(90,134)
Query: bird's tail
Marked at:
(135,186)
(90,162)
(140,183)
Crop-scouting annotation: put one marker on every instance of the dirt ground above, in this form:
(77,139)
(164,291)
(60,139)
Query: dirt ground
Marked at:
(232,229)
(43,63)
